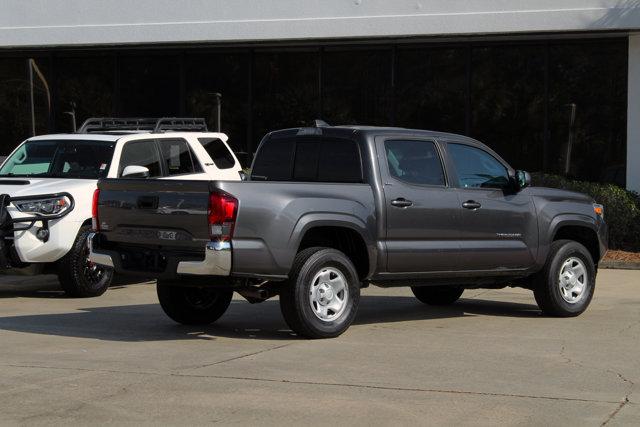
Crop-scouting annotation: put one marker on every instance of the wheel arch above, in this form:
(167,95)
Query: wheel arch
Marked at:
(342,233)
(578,230)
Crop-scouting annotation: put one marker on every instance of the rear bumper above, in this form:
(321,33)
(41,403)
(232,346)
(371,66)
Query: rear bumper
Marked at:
(216,262)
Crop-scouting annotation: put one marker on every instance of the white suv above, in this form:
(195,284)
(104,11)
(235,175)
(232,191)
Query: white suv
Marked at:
(47,185)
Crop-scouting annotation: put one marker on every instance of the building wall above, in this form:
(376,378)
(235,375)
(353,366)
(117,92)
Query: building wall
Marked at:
(633,115)
(88,22)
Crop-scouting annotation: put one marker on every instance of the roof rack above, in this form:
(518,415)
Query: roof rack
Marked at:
(153,125)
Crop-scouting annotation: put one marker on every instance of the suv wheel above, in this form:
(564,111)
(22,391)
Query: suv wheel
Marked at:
(322,295)
(193,305)
(78,276)
(566,284)
(437,295)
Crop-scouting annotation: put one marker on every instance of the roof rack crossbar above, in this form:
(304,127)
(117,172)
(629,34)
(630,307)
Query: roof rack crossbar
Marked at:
(154,125)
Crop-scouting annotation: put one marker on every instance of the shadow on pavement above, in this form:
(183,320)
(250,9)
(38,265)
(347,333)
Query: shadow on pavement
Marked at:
(147,322)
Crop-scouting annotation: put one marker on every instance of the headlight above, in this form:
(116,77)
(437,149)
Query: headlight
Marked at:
(53,206)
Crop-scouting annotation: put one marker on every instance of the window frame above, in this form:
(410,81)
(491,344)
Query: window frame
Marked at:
(439,151)
(213,138)
(320,140)
(195,162)
(164,173)
(155,147)
(486,150)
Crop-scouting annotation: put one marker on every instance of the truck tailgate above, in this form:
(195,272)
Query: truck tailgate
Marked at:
(154,212)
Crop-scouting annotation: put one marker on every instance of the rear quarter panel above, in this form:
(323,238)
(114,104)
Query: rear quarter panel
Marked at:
(274,216)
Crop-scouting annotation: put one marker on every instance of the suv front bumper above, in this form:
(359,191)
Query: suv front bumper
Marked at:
(216,262)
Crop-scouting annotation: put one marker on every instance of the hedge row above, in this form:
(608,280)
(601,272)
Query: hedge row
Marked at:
(621,207)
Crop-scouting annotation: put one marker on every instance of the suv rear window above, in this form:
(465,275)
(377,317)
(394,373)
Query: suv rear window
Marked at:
(218,152)
(177,157)
(308,159)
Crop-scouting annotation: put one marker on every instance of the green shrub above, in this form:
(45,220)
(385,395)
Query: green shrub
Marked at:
(621,207)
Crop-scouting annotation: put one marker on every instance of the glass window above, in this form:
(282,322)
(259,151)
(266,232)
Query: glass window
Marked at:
(431,88)
(60,159)
(273,161)
(177,157)
(218,152)
(226,73)
(149,86)
(356,86)
(588,110)
(476,168)
(85,85)
(285,90)
(316,159)
(415,162)
(339,161)
(15,110)
(508,104)
(305,167)
(141,153)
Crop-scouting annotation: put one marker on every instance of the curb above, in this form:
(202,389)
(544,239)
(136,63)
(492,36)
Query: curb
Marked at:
(622,265)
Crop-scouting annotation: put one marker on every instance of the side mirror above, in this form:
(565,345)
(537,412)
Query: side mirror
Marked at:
(134,171)
(523,179)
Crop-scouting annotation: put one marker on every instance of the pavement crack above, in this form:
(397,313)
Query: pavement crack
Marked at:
(231,359)
(626,400)
(326,384)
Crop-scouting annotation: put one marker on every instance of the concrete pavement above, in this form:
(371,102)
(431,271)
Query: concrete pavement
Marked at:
(489,359)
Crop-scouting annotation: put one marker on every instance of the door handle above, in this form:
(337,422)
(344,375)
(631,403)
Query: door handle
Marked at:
(471,204)
(401,203)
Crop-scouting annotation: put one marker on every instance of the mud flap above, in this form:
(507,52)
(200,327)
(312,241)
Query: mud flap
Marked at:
(4,226)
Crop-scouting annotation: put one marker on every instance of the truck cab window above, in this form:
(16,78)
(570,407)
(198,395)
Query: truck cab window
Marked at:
(414,162)
(339,161)
(141,153)
(476,168)
(273,162)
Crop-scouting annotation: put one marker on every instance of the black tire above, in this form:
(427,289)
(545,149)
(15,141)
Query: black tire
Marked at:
(437,295)
(78,277)
(547,285)
(193,305)
(295,297)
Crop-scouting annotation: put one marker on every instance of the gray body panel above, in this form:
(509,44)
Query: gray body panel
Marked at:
(435,238)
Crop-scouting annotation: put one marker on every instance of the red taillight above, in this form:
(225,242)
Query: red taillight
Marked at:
(222,216)
(95,223)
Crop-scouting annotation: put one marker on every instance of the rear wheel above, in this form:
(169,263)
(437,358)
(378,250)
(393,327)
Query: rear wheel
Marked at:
(322,295)
(437,295)
(565,286)
(78,276)
(193,305)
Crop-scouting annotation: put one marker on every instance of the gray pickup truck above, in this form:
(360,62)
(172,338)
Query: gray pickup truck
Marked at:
(330,210)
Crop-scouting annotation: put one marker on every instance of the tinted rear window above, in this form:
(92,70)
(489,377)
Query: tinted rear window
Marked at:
(308,159)
(273,162)
(218,152)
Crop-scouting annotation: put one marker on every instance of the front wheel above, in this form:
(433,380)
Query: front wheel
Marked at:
(437,295)
(193,305)
(565,286)
(321,297)
(78,276)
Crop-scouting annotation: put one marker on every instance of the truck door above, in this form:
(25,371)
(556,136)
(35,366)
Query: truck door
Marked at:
(421,208)
(498,227)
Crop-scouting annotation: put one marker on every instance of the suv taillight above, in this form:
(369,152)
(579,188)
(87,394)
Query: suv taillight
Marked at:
(222,216)
(95,223)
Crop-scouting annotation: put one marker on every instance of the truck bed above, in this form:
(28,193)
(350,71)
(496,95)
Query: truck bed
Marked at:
(155,221)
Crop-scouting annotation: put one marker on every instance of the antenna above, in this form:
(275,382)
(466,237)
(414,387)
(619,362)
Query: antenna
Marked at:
(320,123)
